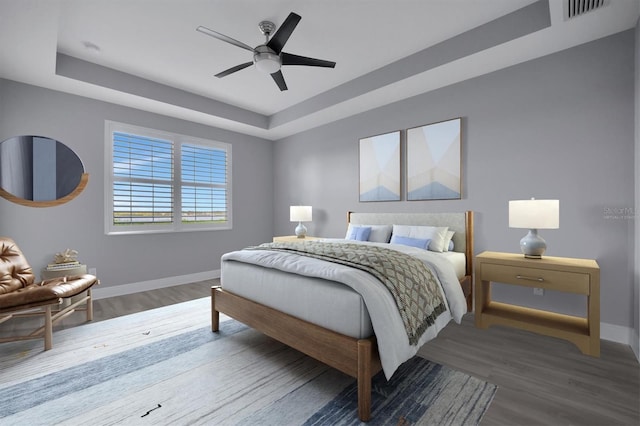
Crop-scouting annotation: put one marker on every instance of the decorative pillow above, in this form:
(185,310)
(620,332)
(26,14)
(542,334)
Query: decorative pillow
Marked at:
(413,242)
(448,242)
(436,234)
(359,233)
(378,234)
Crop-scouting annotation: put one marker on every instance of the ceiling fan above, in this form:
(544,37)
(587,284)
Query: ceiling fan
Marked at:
(269,57)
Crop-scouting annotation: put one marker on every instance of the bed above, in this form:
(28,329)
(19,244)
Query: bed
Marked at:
(310,305)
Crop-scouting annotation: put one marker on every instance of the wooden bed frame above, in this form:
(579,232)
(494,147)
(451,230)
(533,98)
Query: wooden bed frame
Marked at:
(357,358)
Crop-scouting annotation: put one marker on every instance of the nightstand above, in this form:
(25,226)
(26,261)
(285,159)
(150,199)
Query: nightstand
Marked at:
(293,239)
(577,276)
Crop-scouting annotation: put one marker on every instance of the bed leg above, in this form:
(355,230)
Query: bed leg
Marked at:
(364,379)
(215,315)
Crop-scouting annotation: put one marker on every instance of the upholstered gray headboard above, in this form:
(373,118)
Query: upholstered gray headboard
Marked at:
(459,222)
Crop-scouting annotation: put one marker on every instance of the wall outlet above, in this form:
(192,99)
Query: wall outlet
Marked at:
(538,291)
(92,271)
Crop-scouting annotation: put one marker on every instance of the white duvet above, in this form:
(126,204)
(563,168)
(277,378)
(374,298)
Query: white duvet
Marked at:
(393,343)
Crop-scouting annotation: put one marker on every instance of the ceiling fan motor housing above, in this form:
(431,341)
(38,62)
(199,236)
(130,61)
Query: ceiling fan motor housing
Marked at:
(266,60)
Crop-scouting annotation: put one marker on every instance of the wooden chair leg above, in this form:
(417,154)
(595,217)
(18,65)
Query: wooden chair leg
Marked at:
(364,380)
(48,328)
(89,306)
(215,315)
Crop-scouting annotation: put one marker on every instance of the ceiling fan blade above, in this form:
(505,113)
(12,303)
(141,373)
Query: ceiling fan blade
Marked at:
(279,79)
(290,59)
(223,37)
(234,69)
(284,32)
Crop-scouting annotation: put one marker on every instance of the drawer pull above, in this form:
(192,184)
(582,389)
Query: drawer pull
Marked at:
(524,277)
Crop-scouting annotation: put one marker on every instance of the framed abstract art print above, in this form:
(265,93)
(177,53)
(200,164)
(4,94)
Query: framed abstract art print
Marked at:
(380,167)
(434,161)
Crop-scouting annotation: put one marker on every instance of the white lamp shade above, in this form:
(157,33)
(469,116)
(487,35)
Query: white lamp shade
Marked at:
(534,214)
(300,213)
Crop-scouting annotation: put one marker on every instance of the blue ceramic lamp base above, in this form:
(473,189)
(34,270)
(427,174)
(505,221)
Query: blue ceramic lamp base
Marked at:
(533,245)
(301,230)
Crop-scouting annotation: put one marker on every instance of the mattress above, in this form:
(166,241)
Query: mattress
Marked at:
(328,304)
(325,303)
(459,262)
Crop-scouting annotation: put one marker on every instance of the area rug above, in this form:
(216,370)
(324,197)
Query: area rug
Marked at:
(165,366)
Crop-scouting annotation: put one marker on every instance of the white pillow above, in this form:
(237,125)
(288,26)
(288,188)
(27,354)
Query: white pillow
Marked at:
(447,240)
(436,234)
(378,234)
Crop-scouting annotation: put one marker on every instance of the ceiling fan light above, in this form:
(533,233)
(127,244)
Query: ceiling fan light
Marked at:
(267,62)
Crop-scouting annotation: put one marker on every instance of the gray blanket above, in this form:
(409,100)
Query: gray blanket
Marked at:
(409,280)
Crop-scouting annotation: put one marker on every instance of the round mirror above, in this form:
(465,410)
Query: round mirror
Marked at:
(39,172)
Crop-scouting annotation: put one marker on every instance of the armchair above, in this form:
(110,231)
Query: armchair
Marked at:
(21,296)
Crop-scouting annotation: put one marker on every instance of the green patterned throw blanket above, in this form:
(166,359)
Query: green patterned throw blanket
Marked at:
(411,283)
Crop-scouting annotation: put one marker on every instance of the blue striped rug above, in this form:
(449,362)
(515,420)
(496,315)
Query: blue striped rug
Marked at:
(419,392)
(236,376)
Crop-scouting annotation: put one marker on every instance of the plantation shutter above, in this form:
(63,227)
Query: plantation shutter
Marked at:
(204,184)
(142,180)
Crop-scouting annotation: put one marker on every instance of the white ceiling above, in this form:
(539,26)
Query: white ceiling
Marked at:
(156,40)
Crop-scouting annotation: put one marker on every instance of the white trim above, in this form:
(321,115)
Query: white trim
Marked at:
(177,140)
(616,333)
(100,292)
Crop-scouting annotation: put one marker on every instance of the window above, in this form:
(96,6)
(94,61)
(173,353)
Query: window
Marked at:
(163,182)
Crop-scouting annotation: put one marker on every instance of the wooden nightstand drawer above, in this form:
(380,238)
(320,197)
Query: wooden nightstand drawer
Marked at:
(570,282)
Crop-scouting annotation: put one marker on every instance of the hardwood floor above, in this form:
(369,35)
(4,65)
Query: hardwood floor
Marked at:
(123,305)
(541,380)
(112,307)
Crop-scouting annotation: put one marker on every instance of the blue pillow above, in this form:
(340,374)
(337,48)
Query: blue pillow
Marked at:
(359,233)
(412,242)
(451,246)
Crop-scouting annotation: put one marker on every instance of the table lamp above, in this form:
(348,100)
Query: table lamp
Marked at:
(534,214)
(300,214)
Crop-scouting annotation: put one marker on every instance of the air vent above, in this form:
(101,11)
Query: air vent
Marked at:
(575,8)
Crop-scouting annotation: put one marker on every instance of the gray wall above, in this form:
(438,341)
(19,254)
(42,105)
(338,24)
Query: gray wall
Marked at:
(79,123)
(557,127)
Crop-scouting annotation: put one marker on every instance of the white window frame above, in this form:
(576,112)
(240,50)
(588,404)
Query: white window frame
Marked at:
(177,224)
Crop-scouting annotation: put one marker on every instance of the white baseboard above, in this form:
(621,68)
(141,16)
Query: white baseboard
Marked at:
(616,333)
(100,292)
